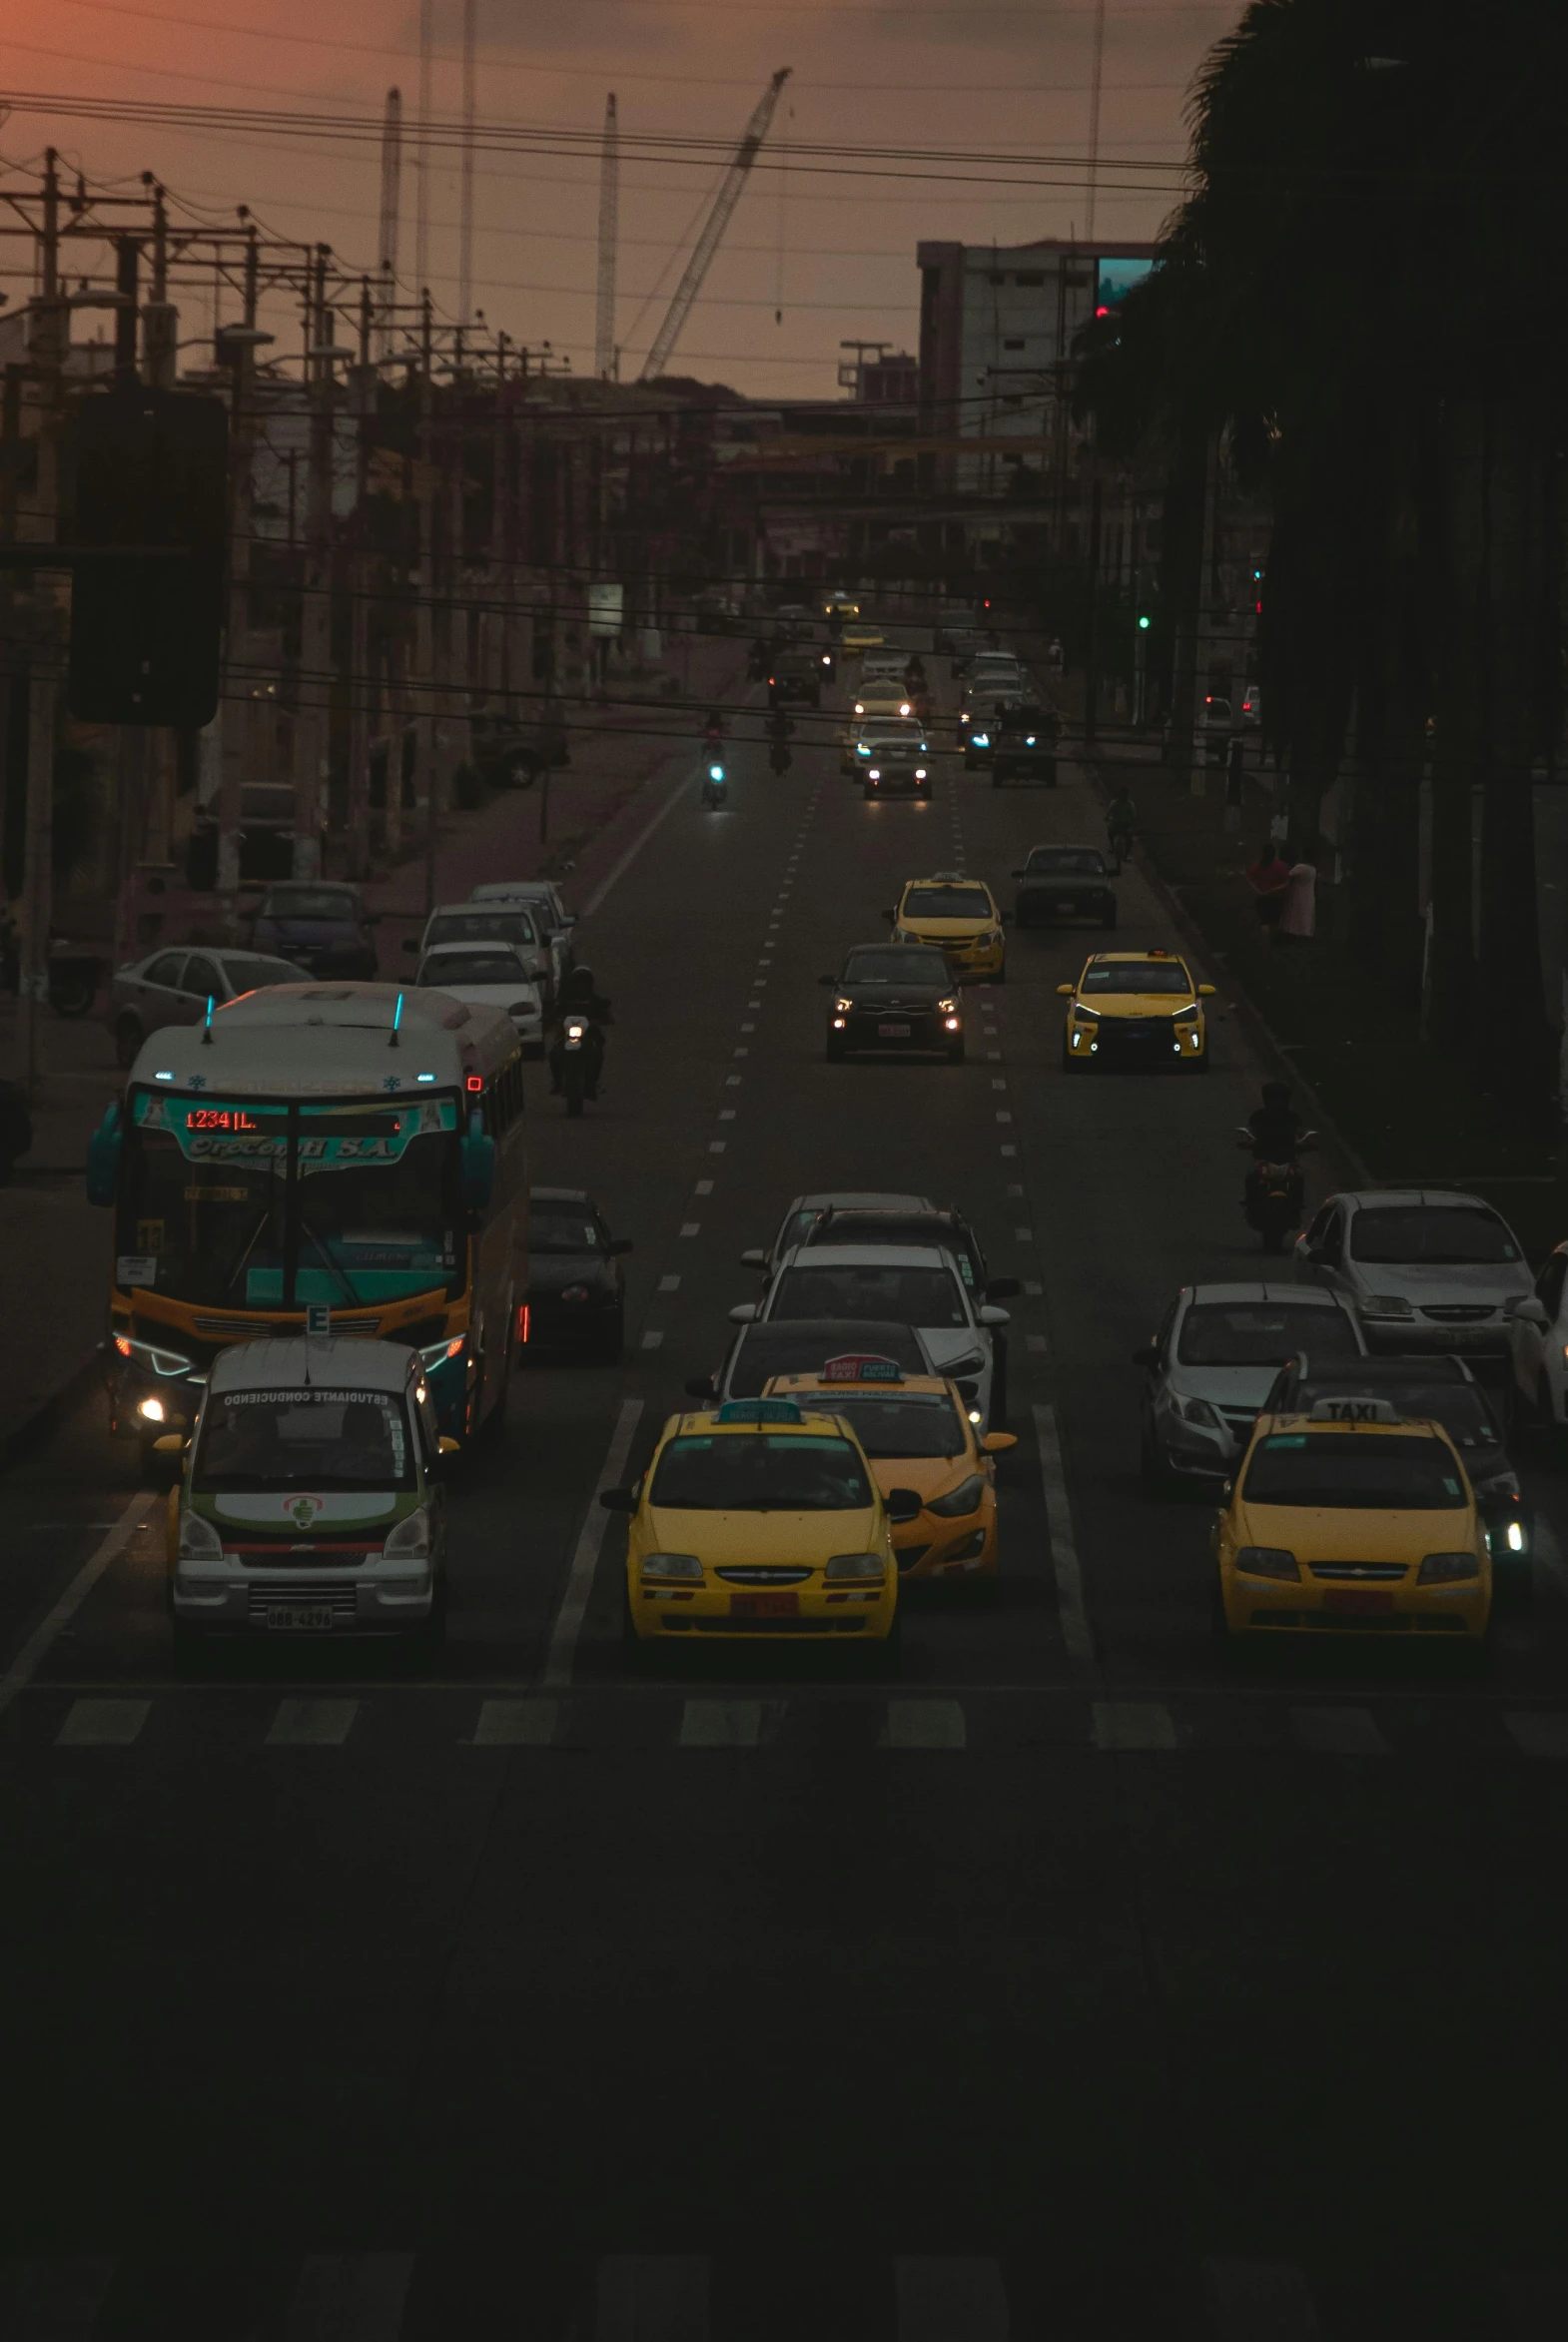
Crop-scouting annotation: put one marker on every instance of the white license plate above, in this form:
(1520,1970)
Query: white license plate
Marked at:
(1066,906)
(299,1618)
(893,1032)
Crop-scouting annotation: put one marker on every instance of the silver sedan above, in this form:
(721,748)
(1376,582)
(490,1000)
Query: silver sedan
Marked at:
(173,987)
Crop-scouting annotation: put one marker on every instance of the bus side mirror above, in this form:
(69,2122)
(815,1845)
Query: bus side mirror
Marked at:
(479,1166)
(104,1149)
(171,1443)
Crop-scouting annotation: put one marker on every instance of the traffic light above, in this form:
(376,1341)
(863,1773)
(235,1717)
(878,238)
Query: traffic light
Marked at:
(1143,621)
(147,473)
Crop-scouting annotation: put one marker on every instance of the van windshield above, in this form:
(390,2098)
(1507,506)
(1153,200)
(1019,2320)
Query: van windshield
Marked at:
(309,1438)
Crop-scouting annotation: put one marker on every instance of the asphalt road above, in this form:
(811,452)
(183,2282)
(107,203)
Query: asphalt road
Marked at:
(1063,1989)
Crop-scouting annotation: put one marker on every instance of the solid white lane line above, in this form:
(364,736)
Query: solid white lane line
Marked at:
(635,847)
(1259,2301)
(25,1665)
(54,2299)
(727,1724)
(350,2297)
(517,1724)
(312,1724)
(923,1724)
(950,2301)
(1539,1733)
(1133,1723)
(1064,1546)
(1338,1732)
(102,1724)
(585,1556)
(670,1285)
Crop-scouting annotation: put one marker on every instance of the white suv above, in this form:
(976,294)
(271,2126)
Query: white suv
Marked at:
(1538,1344)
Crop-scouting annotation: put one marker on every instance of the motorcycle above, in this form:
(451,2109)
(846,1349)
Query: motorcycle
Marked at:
(779,758)
(715,789)
(1120,844)
(574,1044)
(1274,1194)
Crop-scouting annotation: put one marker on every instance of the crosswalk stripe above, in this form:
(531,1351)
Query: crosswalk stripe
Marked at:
(940,2300)
(1259,2301)
(923,1724)
(312,1724)
(652,2297)
(52,2300)
(1538,1733)
(727,1724)
(350,2297)
(1536,2301)
(1338,1732)
(102,1724)
(517,1724)
(1133,1723)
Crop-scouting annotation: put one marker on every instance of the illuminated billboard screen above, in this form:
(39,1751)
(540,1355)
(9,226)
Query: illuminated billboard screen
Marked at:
(1115,280)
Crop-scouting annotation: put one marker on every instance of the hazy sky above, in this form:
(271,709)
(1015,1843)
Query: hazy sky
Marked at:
(963,76)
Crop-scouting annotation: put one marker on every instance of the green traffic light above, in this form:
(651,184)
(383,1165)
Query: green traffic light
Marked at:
(1142,625)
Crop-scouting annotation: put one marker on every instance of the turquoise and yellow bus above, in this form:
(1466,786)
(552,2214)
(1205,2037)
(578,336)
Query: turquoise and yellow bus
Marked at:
(347,1146)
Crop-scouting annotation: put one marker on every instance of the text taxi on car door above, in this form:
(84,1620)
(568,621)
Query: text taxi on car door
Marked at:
(1136,1009)
(916,1432)
(1351,1519)
(760,1518)
(959,915)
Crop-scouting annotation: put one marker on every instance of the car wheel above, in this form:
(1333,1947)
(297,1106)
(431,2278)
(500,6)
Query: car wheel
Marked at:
(956,1053)
(1152,1470)
(1227,1646)
(430,1638)
(1000,975)
(127,1041)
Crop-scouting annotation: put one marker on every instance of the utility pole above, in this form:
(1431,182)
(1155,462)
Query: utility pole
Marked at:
(422,152)
(605,353)
(466,206)
(235,713)
(52,324)
(359,822)
(425,606)
(392,206)
(1096,81)
(1092,645)
(312,724)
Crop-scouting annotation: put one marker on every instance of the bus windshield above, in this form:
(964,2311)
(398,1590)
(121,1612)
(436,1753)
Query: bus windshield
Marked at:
(255,1205)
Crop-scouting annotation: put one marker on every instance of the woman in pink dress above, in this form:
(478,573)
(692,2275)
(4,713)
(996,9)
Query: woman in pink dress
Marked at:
(1299,919)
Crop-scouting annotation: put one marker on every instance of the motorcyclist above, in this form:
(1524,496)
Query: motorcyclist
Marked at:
(713,729)
(781,726)
(579,997)
(1121,822)
(1277,1131)
(757,660)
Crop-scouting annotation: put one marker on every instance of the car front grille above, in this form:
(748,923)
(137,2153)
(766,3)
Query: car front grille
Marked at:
(762,1574)
(1460,1314)
(1361,1572)
(246,1328)
(848,1625)
(345,1604)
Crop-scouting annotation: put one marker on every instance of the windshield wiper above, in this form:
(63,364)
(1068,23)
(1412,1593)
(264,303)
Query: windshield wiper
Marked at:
(333,1265)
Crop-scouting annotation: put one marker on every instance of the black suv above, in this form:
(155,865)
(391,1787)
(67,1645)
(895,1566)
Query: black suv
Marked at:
(1065,882)
(795,677)
(1024,744)
(899,998)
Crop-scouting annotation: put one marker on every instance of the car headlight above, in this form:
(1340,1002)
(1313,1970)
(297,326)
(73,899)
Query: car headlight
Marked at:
(437,1352)
(966,1497)
(980,739)
(1386,1305)
(1445,1569)
(1196,1410)
(920,772)
(855,1565)
(145,1355)
(948,1008)
(1266,1561)
(671,1565)
(874,774)
(409,1538)
(860,707)
(971,1362)
(199,1540)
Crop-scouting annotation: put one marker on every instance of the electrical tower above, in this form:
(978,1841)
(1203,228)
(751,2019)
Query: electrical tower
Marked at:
(717,221)
(605,352)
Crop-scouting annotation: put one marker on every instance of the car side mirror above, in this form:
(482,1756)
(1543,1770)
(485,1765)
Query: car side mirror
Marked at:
(754,1257)
(1205,992)
(1003,1289)
(1019,874)
(618,1500)
(700,1386)
(989,1316)
(902,1505)
(744,1312)
(1066,990)
(997,1442)
(569,919)
(889,915)
(1149,1356)
(826,980)
(622,1245)
(172,1443)
(1533,1312)
(447,1445)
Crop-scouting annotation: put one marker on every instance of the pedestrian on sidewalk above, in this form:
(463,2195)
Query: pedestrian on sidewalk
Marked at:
(1299,919)
(1269,877)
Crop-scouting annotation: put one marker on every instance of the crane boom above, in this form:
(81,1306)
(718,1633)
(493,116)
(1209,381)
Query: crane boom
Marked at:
(713,228)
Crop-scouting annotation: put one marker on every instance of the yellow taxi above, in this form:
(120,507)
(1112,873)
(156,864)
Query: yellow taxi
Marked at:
(1136,1009)
(882,695)
(760,1518)
(962,917)
(916,1432)
(860,635)
(1351,1519)
(839,605)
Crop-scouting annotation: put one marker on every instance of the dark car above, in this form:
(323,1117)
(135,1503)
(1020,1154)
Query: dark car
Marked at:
(1065,882)
(1440,1390)
(900,764)
(321,925)
(898,998)
(576,1299)
(795,677)
(1024,744)
(977,722)
(803,1345)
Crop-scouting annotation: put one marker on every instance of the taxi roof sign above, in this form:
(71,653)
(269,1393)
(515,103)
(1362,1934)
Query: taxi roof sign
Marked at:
(760,1410)
(1353,1411)
(850,1368)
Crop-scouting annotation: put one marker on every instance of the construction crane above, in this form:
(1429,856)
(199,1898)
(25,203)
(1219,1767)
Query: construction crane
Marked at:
(609,210)
(713,228)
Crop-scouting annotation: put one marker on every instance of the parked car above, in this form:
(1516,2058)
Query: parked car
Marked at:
(544,895)
(320,925)
(1212,726)
(519,924)
(490,976)
(576,1299)
(1538,1346)
(173,988)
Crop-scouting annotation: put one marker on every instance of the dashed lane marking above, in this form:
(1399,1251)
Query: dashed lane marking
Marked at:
(923,1724)
(1016,1188)
(1008,1149)
(728,1724)
(1538,1733)
(1123,1725)
(727,1114)
(517,1724)
(102,1724)
(1338,1732)
(1259,2301)
(1034,1343)
(691,1227)
(1032,1288)
(672,1283)
(1023,1235)
(586,1555)
(997,1083)
(940,2300)
(312,1724)
(1004,1117)
(703,1188)
(715,1146)
(350,2297)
